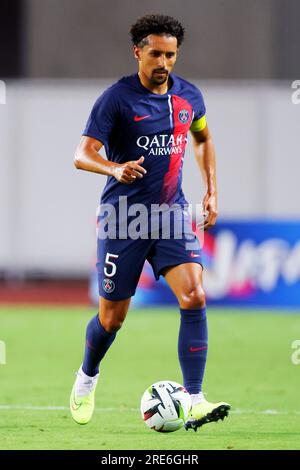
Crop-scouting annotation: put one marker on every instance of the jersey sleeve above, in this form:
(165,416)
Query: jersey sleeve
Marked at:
(103,118)
(199,121)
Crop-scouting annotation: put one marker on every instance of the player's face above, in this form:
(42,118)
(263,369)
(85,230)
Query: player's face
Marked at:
(157,58)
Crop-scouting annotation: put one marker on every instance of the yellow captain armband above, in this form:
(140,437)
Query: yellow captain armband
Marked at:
(199,124)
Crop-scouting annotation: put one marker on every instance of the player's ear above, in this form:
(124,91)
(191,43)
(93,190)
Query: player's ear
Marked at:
(137,52)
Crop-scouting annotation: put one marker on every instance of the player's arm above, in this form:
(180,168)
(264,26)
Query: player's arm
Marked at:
(205,157)
(87,158)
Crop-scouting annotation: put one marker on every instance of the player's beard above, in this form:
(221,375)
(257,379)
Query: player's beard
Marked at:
(159,79)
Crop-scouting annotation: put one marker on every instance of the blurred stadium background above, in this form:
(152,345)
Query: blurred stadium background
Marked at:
(57,56)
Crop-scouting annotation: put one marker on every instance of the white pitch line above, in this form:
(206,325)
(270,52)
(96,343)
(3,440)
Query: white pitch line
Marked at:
(134,410)
(58,408)
(33,408)
(264,412)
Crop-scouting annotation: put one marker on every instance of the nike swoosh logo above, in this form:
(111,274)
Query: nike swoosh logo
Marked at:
(75,406)
(197,349)
(140,118)
(194,255)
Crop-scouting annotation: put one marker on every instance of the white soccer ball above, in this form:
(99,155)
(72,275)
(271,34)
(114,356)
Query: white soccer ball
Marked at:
(165,406)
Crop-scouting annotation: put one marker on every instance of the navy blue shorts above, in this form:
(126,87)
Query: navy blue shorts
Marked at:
(120,262)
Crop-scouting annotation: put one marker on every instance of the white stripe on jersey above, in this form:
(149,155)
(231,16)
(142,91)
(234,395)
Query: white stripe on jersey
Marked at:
(171,110)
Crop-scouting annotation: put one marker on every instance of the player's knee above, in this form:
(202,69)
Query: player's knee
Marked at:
(194,298)
(112,323)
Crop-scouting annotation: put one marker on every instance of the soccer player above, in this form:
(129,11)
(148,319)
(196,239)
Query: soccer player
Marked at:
(143,121)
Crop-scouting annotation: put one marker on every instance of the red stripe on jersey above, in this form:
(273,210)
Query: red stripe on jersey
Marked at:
(182,111)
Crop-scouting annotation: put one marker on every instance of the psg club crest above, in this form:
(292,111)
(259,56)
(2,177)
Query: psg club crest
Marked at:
(183,116)
(108,285)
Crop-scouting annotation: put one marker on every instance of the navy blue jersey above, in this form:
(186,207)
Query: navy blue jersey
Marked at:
(131,122)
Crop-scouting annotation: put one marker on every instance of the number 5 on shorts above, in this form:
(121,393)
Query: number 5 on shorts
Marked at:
(110,263)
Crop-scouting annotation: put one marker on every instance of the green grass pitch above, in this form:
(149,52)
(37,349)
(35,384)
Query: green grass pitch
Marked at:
(249,365)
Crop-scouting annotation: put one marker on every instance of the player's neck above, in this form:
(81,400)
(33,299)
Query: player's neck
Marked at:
(158,89)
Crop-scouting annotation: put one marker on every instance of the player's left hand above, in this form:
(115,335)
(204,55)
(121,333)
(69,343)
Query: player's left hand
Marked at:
(209,210)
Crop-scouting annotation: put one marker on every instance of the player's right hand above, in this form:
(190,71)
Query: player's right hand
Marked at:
(129,172)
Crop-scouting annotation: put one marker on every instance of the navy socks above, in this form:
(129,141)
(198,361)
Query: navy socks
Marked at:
(192,347)
(98,341)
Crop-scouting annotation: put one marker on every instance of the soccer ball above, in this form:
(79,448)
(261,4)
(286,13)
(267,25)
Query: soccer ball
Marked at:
(165,406)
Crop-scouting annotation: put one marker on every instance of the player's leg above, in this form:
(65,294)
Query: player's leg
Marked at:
(185,280)
(119,266)
(100,334)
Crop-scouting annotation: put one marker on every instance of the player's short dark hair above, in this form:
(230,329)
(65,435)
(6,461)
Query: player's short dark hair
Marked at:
(155,24)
